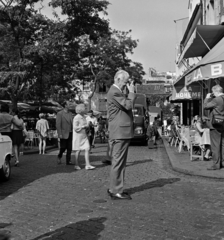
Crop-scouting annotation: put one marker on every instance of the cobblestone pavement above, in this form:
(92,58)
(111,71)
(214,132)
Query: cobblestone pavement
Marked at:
(44,200)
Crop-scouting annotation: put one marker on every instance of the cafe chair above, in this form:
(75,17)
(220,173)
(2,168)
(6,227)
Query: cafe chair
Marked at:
(193,144)
(29,140)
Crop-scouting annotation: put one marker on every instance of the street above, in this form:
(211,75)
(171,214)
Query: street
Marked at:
(44,200)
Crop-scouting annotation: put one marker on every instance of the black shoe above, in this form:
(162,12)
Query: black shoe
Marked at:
(69,163)
(108,162)
(120,196)
(110,193)
(206,159)
(58,160)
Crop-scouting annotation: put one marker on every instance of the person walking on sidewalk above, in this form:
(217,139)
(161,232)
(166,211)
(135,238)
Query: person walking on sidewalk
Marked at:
(17,135)
(64,128)
(91,118)
(120,130)
(42,127)
(215,102)
(80,139)
(6,121)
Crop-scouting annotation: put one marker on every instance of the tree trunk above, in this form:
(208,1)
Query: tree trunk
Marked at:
(14,103)
(91,95)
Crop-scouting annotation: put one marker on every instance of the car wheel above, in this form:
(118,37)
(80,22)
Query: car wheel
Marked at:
(5,171)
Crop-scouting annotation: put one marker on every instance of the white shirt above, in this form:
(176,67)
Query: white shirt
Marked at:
(93,120)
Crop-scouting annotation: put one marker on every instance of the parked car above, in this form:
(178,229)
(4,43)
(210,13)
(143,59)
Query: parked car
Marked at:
(5,157)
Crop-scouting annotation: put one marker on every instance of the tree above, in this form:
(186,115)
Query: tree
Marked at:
(84,17)
(101,60)
(16,34)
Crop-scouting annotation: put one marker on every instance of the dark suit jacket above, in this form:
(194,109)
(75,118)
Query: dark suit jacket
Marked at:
(120,115)
(64,124)
(216,105)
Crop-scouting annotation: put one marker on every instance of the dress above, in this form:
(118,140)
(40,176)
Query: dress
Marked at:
(42,127)
(80,140)
(17,133)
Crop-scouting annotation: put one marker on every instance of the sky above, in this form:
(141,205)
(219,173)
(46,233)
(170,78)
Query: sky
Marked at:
(152,23)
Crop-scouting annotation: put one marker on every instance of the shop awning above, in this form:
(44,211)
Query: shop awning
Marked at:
(210,67)
(202,40)
(180,94)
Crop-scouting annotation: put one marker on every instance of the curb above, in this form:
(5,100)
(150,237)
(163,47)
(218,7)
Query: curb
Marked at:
(182,170)
(37,151)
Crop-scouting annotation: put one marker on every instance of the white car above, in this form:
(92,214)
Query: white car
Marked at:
(5,157)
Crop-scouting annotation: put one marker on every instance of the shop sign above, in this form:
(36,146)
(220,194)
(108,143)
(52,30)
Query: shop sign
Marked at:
(191,92)
(205,72)
(157,88)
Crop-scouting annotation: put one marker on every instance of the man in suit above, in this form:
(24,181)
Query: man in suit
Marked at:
(120,120)
(215,102)
(64,121)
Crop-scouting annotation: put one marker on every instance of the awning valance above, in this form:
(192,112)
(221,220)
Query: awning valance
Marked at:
(180,94)
(202,40)
(210,67)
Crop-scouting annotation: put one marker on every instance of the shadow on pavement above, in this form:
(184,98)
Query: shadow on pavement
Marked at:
(83,230)
(138,162)
(35,166)
(154,184)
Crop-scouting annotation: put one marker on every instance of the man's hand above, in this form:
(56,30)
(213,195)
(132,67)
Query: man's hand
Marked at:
(131,87)
(208,95)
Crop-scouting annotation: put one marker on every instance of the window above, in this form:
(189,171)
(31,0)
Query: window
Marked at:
(102,88)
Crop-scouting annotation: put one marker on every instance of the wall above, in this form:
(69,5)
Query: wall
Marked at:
(191,6)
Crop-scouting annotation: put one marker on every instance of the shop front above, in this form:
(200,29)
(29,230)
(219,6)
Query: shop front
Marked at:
(190,99)
(208,72)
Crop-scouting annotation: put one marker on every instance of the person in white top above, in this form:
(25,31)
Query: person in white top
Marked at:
(93,126)
(42,127)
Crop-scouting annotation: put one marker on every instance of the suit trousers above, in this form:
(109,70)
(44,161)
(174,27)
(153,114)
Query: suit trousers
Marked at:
(66,144)
(119,159)
(217,147)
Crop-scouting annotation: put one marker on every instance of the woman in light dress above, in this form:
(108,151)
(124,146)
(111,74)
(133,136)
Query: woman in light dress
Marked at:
(202,136)
(42,127)
(80,139)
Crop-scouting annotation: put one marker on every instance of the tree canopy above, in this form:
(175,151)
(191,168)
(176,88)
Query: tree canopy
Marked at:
(40,57)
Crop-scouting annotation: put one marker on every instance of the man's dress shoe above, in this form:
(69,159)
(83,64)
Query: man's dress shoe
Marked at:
(58,160)
(110,193)
(120,196)
(108,162)
(69,163)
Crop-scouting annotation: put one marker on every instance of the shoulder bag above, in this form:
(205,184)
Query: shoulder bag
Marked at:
(218,120)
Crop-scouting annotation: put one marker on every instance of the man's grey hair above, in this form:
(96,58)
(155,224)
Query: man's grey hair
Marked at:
(217,88)
(80,108)
(121,74)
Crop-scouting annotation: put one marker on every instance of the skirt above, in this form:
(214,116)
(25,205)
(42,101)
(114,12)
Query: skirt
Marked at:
(17,137)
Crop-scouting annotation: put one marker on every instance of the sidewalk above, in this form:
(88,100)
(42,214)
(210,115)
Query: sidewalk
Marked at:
(181,163)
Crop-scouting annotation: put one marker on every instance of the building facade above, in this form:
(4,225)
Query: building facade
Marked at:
(204,30)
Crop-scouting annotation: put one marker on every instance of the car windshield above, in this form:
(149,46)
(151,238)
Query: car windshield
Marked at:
(137,111)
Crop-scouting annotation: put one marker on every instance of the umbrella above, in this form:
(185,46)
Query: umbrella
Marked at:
(23,106)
